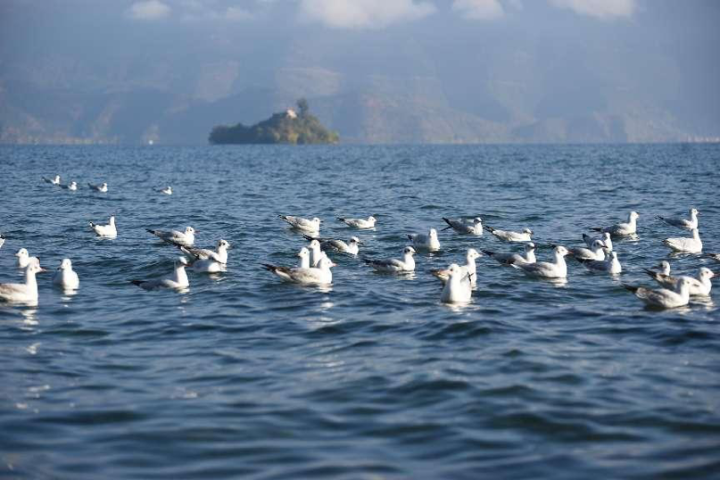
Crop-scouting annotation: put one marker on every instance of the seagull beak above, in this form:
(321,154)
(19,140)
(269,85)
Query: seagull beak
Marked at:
(43,270)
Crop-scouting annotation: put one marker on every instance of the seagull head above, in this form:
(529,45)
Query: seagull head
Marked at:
(634,215)
(189,231)
(325,262)
(316,220)
(355,240)
(66,264)
(181,262)
(372,219)
(560,250)
(706,273)
(223,243)
(433,233)
(22,253)
(477,220)
(528,231)
(314,244)
(598,244)
(409,251)
(34,267)
(529,247)
(472,254)
(304,252)
(694,212)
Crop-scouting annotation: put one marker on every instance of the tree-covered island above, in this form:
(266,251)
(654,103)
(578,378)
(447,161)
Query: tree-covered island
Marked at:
(288,127)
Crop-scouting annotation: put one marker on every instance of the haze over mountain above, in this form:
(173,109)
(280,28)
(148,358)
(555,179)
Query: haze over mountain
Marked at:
(376,71)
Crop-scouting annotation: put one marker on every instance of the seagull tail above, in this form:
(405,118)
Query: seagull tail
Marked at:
(341,219)
(136,282)
(631,288)
(271,268)
(596,229)
(488,253)
(154,232)
(488,228)
(308,238)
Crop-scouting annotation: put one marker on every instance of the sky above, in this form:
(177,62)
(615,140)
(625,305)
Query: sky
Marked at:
(512,62)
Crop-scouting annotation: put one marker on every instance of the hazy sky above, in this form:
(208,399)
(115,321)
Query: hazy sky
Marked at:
(660,51)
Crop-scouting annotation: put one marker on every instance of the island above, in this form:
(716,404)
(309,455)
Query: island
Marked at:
(288,127)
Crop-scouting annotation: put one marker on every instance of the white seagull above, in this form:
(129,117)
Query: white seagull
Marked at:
(23,292)
(24,259)
(167,190)
(208,261)
(108,231)
(663,268)
(406,265)
(470,267)
(352,247)
(597,252)
(683,223)
(304,255)
(2,240)
(684,244)
(610,264)
(359,223)
(509,236)
(304,224)
(698,286)
(320,275)
(458,288)
(103,188)
(427,241)
(174,237)
(510,258)
(605,238)
(72,186)
(316,253)
(54,181)
(461,226)
(664,298)
(65,277)
(176,280)
(623,229)
(555,269)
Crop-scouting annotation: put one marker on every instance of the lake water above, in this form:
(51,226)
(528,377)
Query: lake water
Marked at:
(244,376)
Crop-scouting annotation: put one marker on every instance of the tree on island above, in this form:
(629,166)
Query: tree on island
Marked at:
(283,128)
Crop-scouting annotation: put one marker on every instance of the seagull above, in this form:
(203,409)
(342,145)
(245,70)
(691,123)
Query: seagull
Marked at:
(316,253)
(470,268)
(698,286)
(2,240)
(167,190)
(609,264)
(72,186)
(663,268)
(623,229)
(595,253)
(320,275)
(460,226)
(406,265)
(683,223)
(24,259)
(54,181)
(176,280)
(458,288)
(427,242)
(664,298)
(23,292)
(684,244)
(510,258)
(555,269)
(183,239)
(304,255)
(304,224)
(107,231)
(352,247)
(604,238)
(359,223)
(208,261)
(99,188)
(65,277)
(508,236)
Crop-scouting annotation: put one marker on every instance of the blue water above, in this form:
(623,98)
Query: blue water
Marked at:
(246,377)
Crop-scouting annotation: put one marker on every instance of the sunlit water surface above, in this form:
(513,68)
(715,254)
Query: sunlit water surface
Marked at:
(246,377)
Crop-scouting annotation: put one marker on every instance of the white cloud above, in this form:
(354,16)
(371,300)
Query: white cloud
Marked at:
(603,9)
(237,14)
(479,9)
(148,10)
(360,14)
